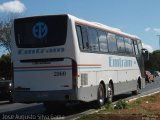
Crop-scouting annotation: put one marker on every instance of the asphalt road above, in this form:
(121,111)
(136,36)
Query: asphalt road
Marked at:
(18,111)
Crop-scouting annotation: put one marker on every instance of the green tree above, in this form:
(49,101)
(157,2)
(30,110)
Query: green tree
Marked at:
(5,66)
(5,34)
(154,61)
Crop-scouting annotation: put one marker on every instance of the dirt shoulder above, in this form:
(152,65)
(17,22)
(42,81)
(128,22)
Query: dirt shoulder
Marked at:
(146,108)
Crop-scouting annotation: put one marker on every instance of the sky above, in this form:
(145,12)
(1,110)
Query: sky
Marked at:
(137,17)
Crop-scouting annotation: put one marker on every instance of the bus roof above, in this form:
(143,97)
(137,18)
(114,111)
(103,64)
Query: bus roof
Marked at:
(94,24)
(102,26)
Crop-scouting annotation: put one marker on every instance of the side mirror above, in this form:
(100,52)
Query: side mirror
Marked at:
(145,54)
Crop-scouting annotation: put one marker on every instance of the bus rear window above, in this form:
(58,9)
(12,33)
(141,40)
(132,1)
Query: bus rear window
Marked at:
(43,31)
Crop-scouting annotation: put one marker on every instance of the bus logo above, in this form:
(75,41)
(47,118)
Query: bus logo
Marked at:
(40,30)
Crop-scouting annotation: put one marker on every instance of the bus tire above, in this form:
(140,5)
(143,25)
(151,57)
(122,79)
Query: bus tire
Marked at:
(110,93)
(100,96)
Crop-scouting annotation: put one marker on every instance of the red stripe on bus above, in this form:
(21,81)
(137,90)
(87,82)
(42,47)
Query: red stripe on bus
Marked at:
(56,66)
(42,67)
(89,65)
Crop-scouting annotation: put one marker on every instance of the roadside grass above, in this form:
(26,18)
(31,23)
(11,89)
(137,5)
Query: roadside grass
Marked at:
(144,106)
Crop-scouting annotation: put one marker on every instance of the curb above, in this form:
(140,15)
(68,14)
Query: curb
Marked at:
(133,99)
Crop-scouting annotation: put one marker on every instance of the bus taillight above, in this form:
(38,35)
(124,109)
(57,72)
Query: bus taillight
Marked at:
(74,74)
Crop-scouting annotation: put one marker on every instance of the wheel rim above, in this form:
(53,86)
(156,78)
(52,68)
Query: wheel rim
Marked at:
(101,95)
(110,93)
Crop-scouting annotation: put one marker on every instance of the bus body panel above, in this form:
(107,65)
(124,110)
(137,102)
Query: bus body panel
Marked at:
(122,70)
(44,73)
(49,76)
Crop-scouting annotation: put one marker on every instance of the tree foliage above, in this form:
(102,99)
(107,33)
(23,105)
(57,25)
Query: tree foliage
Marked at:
(5,31)
(154,61)
(5,35)
(5,67)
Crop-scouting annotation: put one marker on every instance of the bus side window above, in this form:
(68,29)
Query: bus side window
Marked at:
(79,35)
(128,46)
(103,43)
(135,47)
(132,45)
(82,37)
(93,39)
(112,43)
(120,44)
(139,46)
(85,38)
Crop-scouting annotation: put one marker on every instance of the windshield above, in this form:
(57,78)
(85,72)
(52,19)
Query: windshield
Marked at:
(44,31)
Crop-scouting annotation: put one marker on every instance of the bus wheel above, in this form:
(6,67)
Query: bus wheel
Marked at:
(101,96)
(110,93)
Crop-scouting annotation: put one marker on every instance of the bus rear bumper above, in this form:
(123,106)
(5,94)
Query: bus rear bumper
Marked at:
(44,96)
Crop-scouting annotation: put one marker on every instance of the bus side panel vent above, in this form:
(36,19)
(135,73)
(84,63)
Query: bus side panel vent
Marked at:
(84,79)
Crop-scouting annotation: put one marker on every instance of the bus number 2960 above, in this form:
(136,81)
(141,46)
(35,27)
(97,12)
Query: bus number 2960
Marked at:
(60,73)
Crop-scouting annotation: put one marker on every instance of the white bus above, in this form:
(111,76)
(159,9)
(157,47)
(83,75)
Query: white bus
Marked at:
(61,58)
